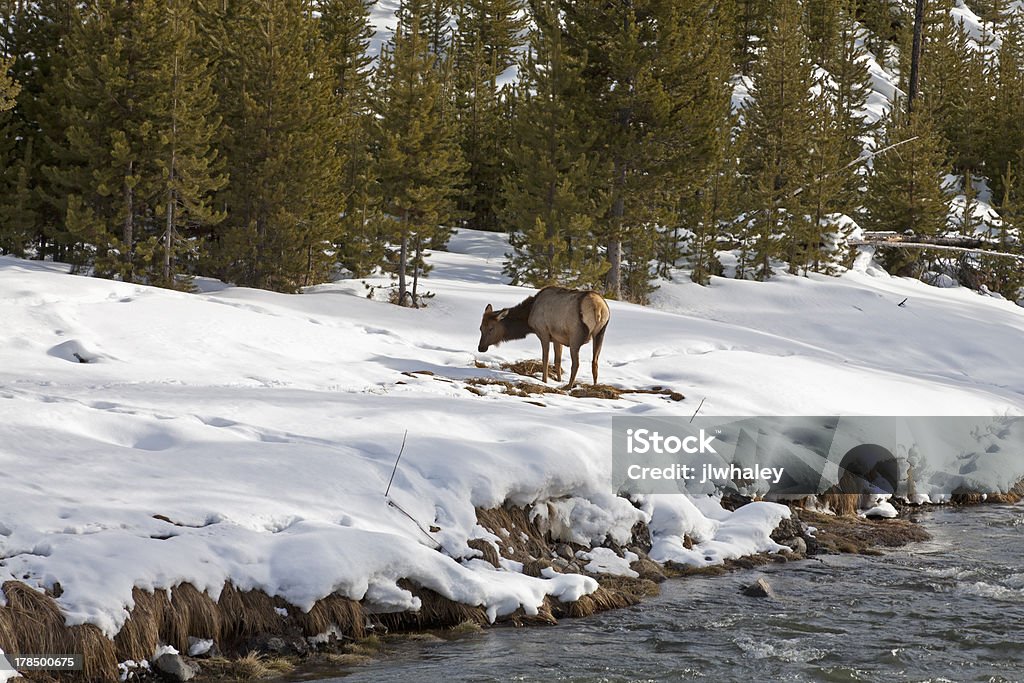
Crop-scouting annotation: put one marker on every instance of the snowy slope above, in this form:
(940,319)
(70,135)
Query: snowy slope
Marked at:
(266,426)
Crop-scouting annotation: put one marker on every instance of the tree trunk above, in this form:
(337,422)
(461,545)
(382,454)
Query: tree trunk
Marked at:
(915,54)
(417,260)
(128,230)
(613,281)
(403,261)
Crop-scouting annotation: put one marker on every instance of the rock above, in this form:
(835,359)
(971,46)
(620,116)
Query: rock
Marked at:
(798,545)
(289,644)
(560,563)
(176,667)
(732,500)
(787,529)
(759,589)
(648,569)
(563,550)
(202,647)
(535,567)
(275,645)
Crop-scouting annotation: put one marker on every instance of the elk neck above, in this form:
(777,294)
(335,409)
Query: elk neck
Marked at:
(517,322)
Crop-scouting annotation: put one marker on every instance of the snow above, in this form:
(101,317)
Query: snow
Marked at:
(198,647)
(265,426)
(882,508)
(7,671)
(605,561)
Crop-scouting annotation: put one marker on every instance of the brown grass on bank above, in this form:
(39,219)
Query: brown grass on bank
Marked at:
(601,600)
(524,541)
(843,504)
(487,549)
(32,623)
(250,667)
(1011,497)
(35,625)
(436,611)
(246,614)
(839,534)
(346,614)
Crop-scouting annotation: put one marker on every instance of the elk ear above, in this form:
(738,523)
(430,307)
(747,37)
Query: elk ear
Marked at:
(489,309)
(504,312)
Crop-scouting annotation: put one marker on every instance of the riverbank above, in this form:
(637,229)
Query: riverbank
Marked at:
(932,610)
(808,534)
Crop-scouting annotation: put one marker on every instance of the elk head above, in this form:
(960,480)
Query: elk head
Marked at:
(492,329)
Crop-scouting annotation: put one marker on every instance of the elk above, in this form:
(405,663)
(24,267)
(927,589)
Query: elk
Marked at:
(565,317)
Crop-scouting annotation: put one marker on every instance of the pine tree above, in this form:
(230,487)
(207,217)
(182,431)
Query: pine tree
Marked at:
(849,88)
(14,227)
(418,165)
(180,106)
(823,195)
(715,207)
(346,32)
(138,166)
(551,197)
(650,100)
(779,121)
(283,203)
(905,185)
(107,139)
(1004,136)
(749,26)
(31,205)
(488,34)
(9,88)
(1008,274)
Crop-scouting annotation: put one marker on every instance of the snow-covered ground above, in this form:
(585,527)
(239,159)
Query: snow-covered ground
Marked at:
(266,426)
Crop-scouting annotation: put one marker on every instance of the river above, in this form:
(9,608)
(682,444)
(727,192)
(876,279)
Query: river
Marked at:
(949,609)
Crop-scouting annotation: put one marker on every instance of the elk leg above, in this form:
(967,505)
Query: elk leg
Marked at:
(575,342)
(598,342)
(545,349)
(558,361)
(574,353)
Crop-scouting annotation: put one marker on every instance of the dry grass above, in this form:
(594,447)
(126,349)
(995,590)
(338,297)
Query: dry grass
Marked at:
(436,611)
(533,370)
(1011,497)
(488,550)
(536,567)
(843,504)
(601,600)
(33,623)
(347,615)
(250,667)
(840,534)
(466,627)
(140,635)
(190,613)
(525,541)
(528,368)
(544,617)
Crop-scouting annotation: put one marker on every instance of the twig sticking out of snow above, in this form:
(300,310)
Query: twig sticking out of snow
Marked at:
(397,460)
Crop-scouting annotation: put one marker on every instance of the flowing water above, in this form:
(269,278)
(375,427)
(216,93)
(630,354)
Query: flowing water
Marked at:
(949,609)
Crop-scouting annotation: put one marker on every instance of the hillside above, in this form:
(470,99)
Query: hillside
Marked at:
(246,436)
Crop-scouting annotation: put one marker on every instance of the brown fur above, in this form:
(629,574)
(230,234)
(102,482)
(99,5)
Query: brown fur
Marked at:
(563,317)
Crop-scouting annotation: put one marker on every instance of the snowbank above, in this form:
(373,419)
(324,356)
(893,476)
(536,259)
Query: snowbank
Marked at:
(249,436)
